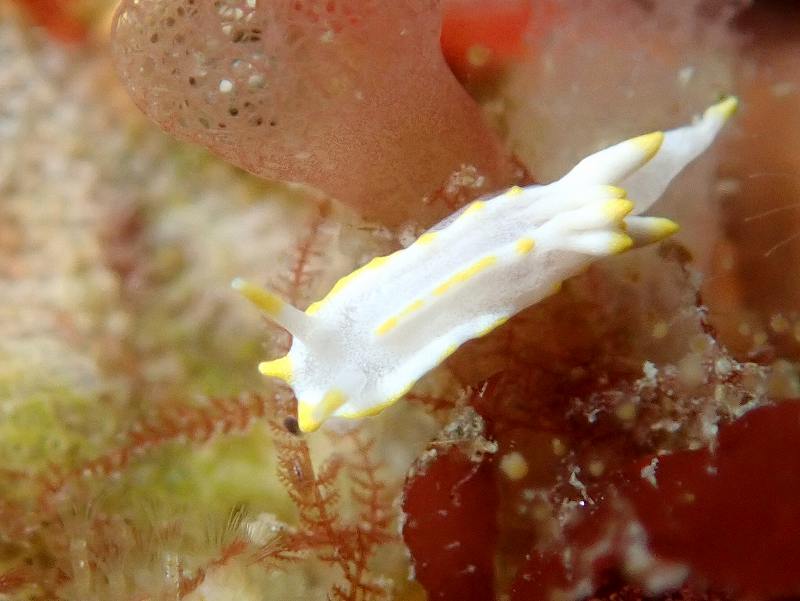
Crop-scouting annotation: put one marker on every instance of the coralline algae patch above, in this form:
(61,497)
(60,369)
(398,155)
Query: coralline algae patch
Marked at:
(351,97)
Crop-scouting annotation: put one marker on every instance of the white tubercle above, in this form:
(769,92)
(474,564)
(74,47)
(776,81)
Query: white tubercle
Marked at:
(390,322)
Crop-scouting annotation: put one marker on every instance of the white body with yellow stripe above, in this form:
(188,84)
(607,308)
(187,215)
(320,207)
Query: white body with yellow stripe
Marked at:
(385,325)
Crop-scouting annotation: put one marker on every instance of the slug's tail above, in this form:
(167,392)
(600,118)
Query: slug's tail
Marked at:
(645,165)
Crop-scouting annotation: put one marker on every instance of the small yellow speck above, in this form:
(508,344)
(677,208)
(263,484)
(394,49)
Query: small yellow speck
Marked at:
(615,192)
(478,55)
(663,228)
(392,322)
(514,191)
(620,243)
(617,208)
(449,351)
(596,468)
(314,308)
(626,412)
(265,300)
(278,368)
(466,274)
(779,323)
(514,466)
(660,329)
(525,245)
(726,108)
(475,207)
(387,326)
(412,308)
(650,143)
(427,238)
(700,343)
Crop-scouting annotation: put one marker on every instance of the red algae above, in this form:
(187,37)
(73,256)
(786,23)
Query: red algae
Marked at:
(353,98)
(450,529)
(632,593)
(731,514)
(726,518)
(455,561)
(582,419)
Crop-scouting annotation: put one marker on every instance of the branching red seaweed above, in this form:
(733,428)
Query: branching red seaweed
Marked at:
(321,529)
(188,423)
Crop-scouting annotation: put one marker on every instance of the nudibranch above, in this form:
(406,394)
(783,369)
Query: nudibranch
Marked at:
(384,326)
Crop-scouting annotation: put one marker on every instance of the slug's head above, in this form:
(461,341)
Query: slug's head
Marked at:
(320,395)
(319,379)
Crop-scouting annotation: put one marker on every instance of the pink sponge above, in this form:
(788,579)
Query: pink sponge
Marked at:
(352,97)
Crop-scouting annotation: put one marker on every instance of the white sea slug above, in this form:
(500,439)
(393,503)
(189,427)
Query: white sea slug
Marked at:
(387,324)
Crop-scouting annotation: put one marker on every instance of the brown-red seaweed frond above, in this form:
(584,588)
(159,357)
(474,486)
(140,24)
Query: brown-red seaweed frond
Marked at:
(322,532)
(86,545)
(295,283)
(230,551)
